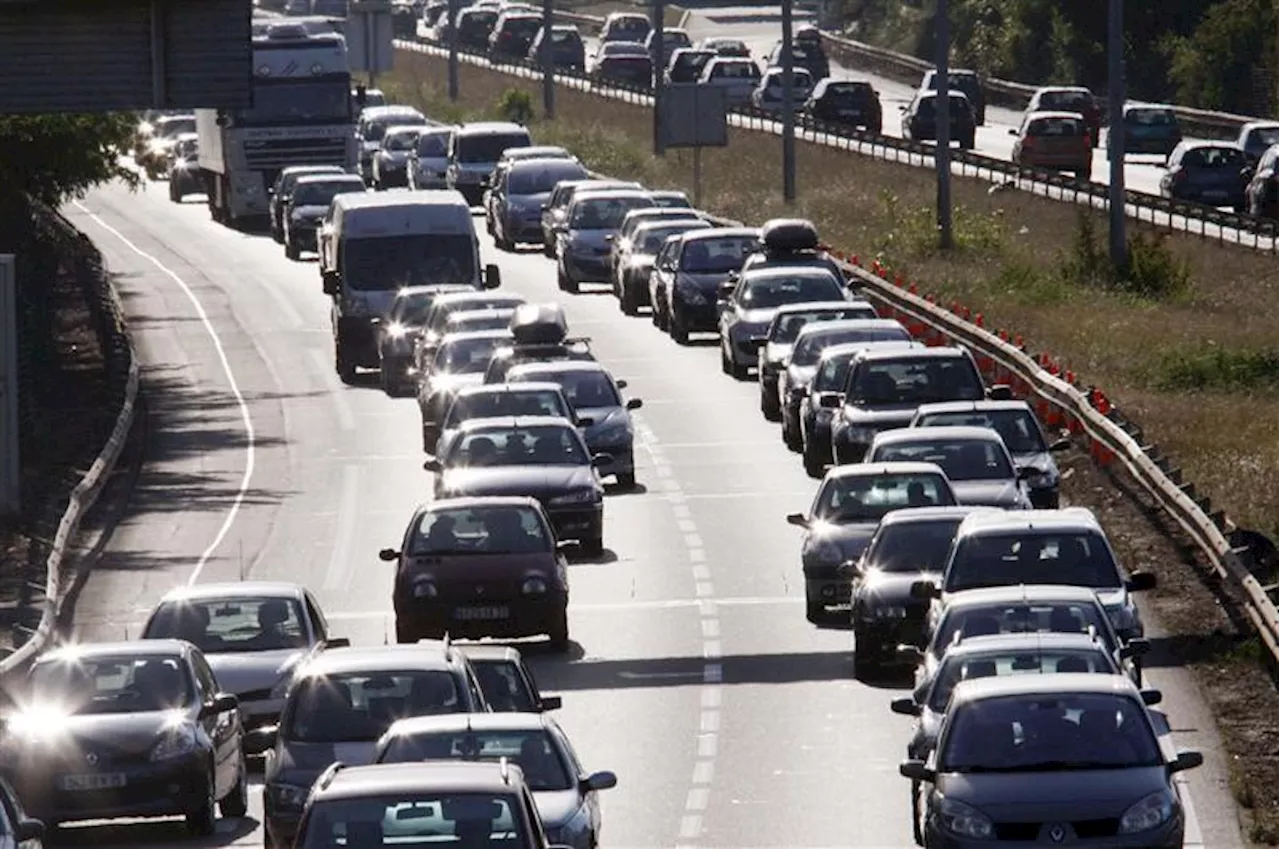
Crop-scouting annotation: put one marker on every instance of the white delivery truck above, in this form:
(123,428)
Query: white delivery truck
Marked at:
(301,115)
(372,245)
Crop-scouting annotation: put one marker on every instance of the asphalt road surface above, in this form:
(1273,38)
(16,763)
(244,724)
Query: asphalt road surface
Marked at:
(730,721)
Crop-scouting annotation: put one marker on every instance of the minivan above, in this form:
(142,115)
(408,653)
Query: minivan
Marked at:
(474,151)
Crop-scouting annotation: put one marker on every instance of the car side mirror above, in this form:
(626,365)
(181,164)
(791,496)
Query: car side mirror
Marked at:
(905,707)
(1140,582)
(261,740)
(1186,759)
(388,555)
(221,703)
(1151,698)
(222,120)
(797,519)
(602,459)
(829,400)
(337,643)
(551,703)
(600,781)
(432,465)
(29,830)
(1060,444)
(1000,392)
(1137,647)
(902,109)
(916,771)
(635,403)
(1012,132)
(621,384)
(585,421)
(924,589)
(545,207)
(908,654)
(492,276)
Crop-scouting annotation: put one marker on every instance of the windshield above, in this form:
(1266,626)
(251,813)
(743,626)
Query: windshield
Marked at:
(1056,127)
(471,820)
(785,328)
(536,180)
(1263,137)
(228,625)
(383,263)
(400,141)
(775,290)
(544,445)
(487,147)
(293,101)
(1078,559)
(849,95)
(915,381)
(480,530)
(809,349)
(584,389)
(1151,117)
(352,707)
(860,498)
(505,689)
(1032,661)
(532,750)
(1214,157)
(1018,428)
(473,302)
(565,38)
(467,355)
(322,194)
(433,145)
(912,546)
(961,459)
(112,684)
(604,213)
(1058,617)
(492,405)
(1035,733)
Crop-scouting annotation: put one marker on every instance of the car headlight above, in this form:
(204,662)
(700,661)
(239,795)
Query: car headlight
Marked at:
(963,820)
(175,743)
(1148,813)
(425,588)
(281,689)
(582,496)
(288,796)
(533,586)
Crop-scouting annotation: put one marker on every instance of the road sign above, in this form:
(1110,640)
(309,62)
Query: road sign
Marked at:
(694,116)
(369,37)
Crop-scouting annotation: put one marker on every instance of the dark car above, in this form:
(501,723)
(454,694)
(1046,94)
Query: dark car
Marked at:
(567,49)
(849,504)
(1050,759)
(535,456)
(1256,137)
(390,164)
(1023,435)
(567,798)
(849,103)
(541,335)
(778,341)
(789,243)
(1075,99)
(636,259)
(184,174)
(1211,173)
(1150,128)
(136,729)
(373,125)
(798,368)
(809,57)
(436,324)
(463,802)
(908,545)
(966,81)
(283,190)
(399,331)
(508,684)
(26,832)
(472,28)
(342,701)
(747,306)
(883,389)
(557,206)
(920,121)
(623,63)
(519,195)
(685,65)
(504,400)
(460,360)
(480,567)
(1055,141)
(1260,193)
(620,241)
(979,466)
(306,207)
(512,36)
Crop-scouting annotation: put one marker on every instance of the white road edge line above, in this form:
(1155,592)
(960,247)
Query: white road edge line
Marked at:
(250,444)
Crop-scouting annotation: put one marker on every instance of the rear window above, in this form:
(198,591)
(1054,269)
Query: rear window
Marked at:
(1066,100)
(1013,662)
(1056,127)
(867,499)
(539,179)
(488,405)
(1214,157)
(604,213)
(786,328)
(433,144)
(961,459)
(810,349)
(1151,117)
(912,546)
(736,70)
(1059,617)
(716,256)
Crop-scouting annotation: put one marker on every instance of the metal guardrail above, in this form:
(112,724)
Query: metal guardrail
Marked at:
(82,498)
(1181,216)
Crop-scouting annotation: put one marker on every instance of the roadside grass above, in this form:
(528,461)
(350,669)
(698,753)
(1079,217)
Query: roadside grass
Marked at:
(1183,345)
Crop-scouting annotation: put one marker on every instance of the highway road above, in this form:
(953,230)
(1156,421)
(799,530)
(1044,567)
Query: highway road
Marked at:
(730,721)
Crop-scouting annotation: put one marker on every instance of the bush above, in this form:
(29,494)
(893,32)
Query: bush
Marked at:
(1152,270)
(1218,369)
(515,105)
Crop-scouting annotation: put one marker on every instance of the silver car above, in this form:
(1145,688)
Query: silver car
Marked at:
(975,459)
(582,246)
(429,160)
(519,194)
(391,162)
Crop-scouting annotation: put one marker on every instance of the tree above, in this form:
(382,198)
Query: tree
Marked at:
(56,157)
(1228,58)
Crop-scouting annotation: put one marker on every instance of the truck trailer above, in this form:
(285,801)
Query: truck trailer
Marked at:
(302,114)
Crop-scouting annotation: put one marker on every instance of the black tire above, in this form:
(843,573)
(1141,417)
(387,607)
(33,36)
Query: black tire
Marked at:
(739,372)
(388,384)
(502,243)
(558,631)
(291,250)
(236,803)
(342,362)
(917,833)
(627,301)
(203,821)
(769,405)
(626,480)
(404,633)
(813,466)
(815,612)
(791,438)
(277,233)
(592,546)
(549,249)
(726,366)
(175,194)
(428,440)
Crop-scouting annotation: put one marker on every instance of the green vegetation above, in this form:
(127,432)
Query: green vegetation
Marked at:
(55,157)
(1213,54)
(1211,368)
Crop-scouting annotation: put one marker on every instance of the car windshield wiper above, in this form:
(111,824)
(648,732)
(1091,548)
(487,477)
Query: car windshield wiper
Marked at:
(1048,766)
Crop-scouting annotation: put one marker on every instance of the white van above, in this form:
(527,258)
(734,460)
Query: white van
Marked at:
(474,151)
(372,245)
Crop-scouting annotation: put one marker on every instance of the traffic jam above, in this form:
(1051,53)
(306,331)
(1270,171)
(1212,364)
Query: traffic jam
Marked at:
(936,532)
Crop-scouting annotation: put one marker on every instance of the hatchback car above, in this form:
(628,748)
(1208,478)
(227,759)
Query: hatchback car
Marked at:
(566,796)
(436,324)
(965,81)
(567,50)
(920,119)
(373,125)
(399,330)
(977,463)
(473,26)
(519,194)
(1059,141)
(685,282)
(480,567)
(849,504)
(582,247)
(1260,192)
(625,26)
(738,77)
(1051,759)
(807,56)
(778,343)
(686,64)
(557,205)
(512,36)
(748,305)
(1150,128)
(1211,173)
(460,361)
(621,241)
(306,207)
(768,93)
(504,400)
(283,190)
(1074,99)
(622,63)
(673,39)
(849,103)
(508,684)
(636,261)
(1256,137)
(429,160)
(391,161)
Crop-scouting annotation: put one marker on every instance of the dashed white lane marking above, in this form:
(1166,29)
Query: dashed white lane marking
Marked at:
(699,794)
(250,437)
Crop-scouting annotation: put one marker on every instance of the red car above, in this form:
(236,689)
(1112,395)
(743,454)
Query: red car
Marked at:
(1070,99)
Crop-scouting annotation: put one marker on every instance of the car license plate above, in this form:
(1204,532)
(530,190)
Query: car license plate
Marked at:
(93,781)
(492,611)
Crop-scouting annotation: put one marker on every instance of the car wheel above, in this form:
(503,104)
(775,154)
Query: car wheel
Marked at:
(815,612)
(276,233)
(175,194)
(388,383)
(917,833)
(592,546)
(548,250)
(790,437)
(559,632)
(429,439)
(502,243)
(739,372)
(203,821)
(627,300)
(236,803)
(342,362)
(405,633)
(813,465)
(769,405)
(627,480)
(291,250)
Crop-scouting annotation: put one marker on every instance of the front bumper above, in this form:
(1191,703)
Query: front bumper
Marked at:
(1168,836)
(741,349)
(884,635)
(624,459)
(526,616)
(577,522)
(586,268)
(823,586)
(524,230)
(303,235)
(694,317)
(148,790)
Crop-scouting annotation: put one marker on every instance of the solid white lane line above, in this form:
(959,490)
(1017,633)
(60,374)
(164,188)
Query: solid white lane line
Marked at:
(341,564)
(250,443)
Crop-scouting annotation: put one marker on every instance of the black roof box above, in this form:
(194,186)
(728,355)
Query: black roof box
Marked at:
(539,324)
(789,234)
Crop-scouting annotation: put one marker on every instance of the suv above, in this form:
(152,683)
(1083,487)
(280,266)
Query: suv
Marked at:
(415,802)
(959,79)
(347,697)
(850,103)
(474,151)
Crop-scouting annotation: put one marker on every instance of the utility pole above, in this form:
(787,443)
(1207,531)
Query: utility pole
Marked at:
(453,49)
(788,109)
(942,116)
(545,57)
(655,56)
(1115,134)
